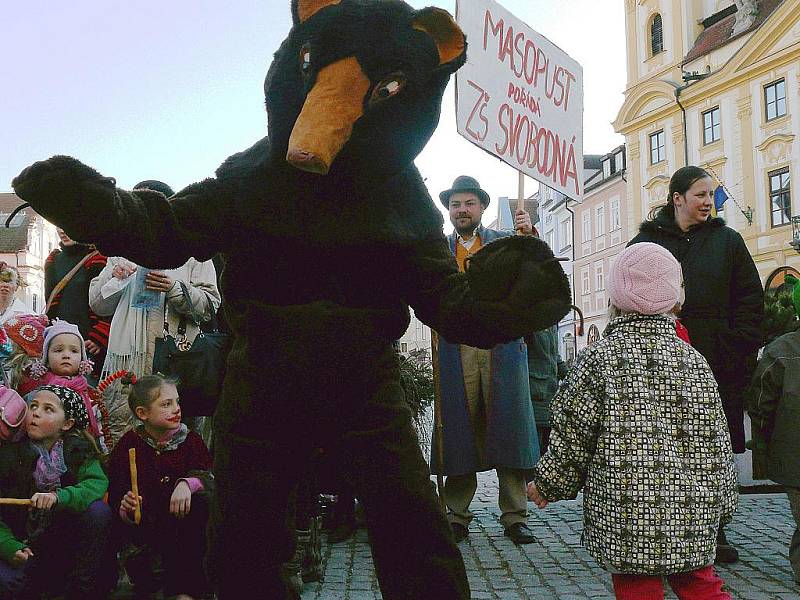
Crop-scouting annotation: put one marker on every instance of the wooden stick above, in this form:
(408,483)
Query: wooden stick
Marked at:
(137,514)
(520,197)
(15,501)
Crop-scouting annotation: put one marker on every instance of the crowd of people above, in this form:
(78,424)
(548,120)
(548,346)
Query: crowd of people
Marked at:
(645,423)
(78,396)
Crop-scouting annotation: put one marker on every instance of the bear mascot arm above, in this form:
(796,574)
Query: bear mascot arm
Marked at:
(332,196)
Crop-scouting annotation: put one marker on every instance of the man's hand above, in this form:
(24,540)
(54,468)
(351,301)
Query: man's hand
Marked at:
(181,501)
(535,496)
(158,281)
(123,271)
(522,222)
(44,500)
(21,557)
(91,348)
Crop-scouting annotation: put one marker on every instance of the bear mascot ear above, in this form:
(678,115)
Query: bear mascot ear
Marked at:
(446,34)
(303,10)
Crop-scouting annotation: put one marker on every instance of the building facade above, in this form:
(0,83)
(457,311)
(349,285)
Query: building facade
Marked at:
(601,232)
(716,83)
(25,244)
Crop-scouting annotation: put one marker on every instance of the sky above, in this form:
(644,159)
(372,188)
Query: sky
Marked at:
(167,90)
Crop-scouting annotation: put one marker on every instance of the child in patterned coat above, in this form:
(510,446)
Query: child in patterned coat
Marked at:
(638,425)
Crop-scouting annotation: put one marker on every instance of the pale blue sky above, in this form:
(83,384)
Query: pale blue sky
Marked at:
(153,89)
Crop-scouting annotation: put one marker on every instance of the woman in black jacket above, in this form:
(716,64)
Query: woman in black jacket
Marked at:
(724,306)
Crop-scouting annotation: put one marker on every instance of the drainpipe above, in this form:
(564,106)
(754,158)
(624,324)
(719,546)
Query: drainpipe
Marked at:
(574,297)
(688,78)
(678,91)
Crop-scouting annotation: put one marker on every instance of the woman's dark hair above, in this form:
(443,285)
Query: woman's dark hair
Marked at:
(680,182)
(145,390)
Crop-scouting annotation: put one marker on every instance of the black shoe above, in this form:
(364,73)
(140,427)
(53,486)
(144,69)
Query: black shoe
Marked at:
(520,533)
(460,532)
(726,554)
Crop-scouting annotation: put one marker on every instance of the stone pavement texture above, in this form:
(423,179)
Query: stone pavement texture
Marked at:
(557,567)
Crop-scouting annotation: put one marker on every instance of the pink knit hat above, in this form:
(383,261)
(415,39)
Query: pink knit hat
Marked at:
(645,278)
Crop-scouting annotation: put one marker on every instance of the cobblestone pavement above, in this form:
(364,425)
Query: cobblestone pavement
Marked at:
(557,567)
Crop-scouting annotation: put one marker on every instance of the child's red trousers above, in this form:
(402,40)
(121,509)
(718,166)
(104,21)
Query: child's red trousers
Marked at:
(703,584)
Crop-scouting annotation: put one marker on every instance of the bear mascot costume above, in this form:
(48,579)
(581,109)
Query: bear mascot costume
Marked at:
(328,235)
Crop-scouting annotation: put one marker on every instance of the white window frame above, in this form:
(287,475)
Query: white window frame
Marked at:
(565,234)
(600,220)
(658,151)
(586,226)
(599,277)
(615,215)
(586,284)
(712,126)
(777,103)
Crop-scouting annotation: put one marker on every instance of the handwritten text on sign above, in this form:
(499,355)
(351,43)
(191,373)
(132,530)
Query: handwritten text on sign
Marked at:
(520,97)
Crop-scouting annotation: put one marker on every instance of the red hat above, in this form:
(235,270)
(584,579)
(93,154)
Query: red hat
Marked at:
(27,331)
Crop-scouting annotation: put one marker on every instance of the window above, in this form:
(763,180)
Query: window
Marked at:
(35,303)
(656,35)
(566,234)
(780,199)
(657,145)
(775,99)
(599,278)
(600,220)
(615,222)
(403,347)
(549,237)
(711,126)
(586,223)
(619,162)
(585,289)
(607,168)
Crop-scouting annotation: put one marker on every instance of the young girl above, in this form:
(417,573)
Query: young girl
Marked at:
(173,467)
(62,545)
(639,426)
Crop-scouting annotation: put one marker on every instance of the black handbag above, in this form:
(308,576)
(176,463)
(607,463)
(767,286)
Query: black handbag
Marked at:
(199,366)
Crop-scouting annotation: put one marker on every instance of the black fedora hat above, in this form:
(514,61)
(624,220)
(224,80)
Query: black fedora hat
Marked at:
(464,183)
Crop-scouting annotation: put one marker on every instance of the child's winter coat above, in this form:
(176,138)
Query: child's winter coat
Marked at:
(639,426)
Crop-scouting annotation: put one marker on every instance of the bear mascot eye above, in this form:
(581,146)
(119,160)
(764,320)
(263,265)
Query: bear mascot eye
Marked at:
(387,87)
(305,59)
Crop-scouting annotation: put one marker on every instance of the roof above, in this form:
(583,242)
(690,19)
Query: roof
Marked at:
(14,238)
(719,31)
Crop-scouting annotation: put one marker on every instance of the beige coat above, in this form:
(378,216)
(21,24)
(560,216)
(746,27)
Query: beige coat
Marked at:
(104,296)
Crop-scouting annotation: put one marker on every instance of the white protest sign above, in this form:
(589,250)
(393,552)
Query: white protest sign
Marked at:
(520,97)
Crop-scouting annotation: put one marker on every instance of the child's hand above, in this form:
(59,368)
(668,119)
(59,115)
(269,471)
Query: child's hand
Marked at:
(128,505)
(536,496)
(44,500)
(181,501)
(21,556)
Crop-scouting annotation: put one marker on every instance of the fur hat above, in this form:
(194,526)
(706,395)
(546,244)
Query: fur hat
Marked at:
(156,186)
(27,331)
(465,183)
(645,278)
(57,328)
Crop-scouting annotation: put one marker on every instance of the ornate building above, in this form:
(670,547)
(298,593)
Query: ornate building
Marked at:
(716,83)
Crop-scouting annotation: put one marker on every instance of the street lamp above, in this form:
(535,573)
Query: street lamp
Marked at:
(795,243)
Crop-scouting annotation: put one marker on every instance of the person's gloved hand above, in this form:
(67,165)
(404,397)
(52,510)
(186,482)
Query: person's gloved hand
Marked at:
(68,193)
(519,280)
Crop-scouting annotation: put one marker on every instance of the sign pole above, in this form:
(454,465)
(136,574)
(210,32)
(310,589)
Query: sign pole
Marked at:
(520,194)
